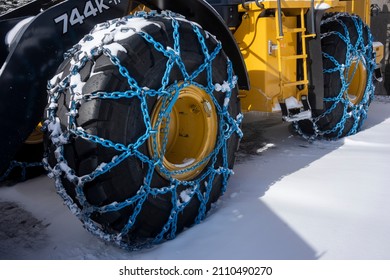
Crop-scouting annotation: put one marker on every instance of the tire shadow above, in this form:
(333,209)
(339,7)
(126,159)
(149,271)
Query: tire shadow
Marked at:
(268,152)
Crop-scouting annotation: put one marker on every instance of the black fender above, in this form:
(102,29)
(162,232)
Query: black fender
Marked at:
(38,49)
(33,58)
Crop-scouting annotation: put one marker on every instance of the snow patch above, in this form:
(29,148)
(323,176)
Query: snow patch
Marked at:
(185,196)
(223,88)
(276,108)
(77,86)
(266,147)
(292,102)
(115,48)
(105,37)
(226,102)
(322,6)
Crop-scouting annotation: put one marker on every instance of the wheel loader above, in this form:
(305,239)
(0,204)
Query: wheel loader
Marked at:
(139,104)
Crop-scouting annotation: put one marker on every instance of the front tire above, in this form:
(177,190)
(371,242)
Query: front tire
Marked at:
(348,63)
(143,123)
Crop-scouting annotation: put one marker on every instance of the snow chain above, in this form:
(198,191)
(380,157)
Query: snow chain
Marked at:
(359,111)
(23,167)
(59,137)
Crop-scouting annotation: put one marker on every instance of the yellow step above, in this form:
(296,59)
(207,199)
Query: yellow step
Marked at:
(296,83)
(311,35)
(294,30)
(292,57)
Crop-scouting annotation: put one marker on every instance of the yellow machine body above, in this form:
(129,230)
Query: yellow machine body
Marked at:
(273,55)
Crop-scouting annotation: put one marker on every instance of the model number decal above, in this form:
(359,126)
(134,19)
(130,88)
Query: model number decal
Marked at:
(91,8)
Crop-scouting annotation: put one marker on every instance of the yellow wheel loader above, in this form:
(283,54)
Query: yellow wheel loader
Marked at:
(141,102)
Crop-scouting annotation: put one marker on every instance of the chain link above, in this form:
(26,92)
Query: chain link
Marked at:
(23,169)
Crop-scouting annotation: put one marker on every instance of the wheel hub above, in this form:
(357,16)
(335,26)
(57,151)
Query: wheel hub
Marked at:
(186,138)
(357,79)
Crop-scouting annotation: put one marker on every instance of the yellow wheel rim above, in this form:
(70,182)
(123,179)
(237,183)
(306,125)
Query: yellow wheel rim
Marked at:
(357,79)
(190,135)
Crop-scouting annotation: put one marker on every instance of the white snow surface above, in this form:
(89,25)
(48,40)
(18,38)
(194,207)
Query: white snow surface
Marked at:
(288,199)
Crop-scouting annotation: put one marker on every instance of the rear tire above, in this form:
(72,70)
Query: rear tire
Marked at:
(124,120)
(349,64)
(27,163)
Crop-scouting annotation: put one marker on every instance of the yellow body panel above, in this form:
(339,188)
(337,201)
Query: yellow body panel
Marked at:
(258,49)
(272,59)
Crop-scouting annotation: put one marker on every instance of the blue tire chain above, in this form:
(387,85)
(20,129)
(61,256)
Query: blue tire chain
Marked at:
(228,125)
(23,166)
(358,112)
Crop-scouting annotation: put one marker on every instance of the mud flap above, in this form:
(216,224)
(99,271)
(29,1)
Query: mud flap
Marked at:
(316,87)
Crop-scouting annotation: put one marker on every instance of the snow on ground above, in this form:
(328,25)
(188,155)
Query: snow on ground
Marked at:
(288,199)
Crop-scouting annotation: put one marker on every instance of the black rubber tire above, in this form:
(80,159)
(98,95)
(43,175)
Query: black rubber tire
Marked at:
(122,121)
(339,117)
